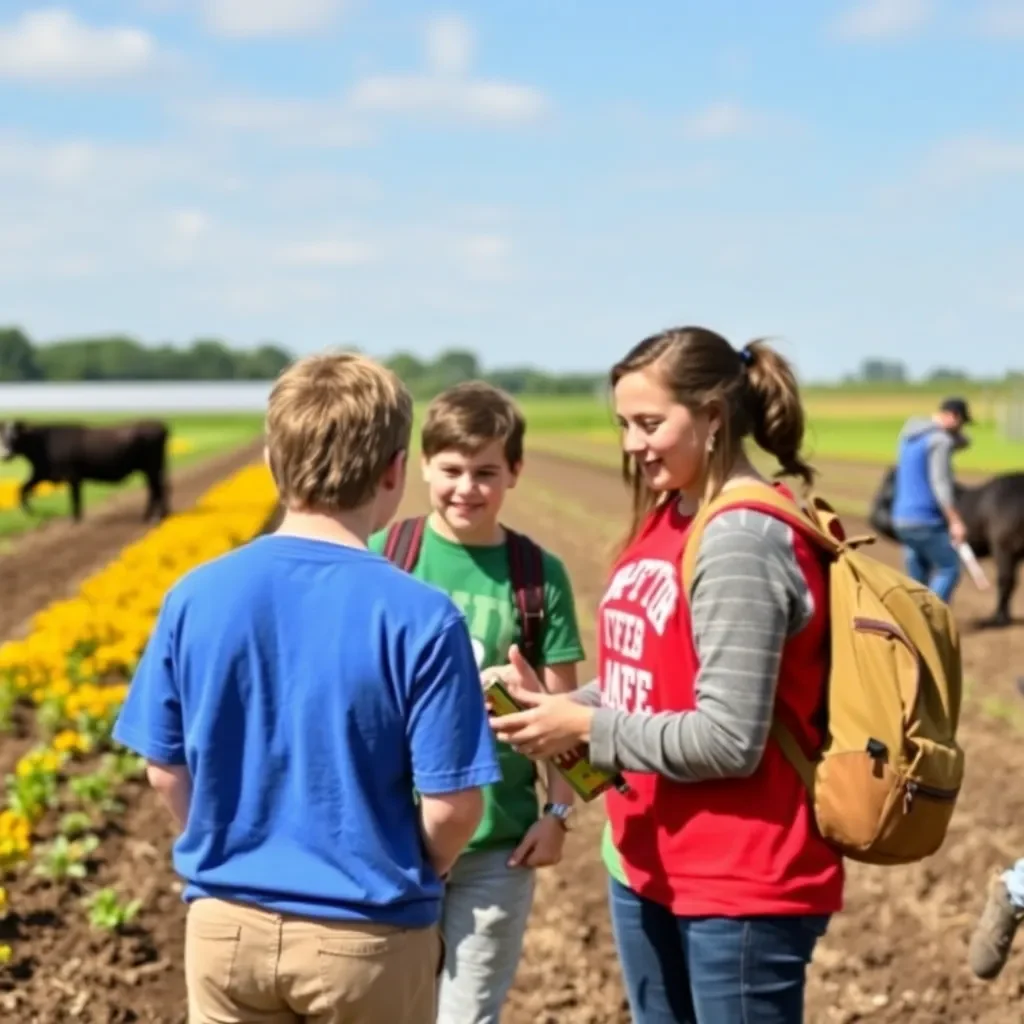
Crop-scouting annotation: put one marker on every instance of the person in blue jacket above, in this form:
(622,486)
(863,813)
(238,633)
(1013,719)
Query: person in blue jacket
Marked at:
(924,516)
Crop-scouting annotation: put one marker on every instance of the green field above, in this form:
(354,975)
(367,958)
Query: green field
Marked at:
(843,425)
(851,434)
(193,438)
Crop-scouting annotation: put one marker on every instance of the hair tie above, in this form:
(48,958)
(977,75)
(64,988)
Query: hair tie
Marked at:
(746,356)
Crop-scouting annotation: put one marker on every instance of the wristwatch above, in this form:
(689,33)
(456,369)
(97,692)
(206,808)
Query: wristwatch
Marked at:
(563,812)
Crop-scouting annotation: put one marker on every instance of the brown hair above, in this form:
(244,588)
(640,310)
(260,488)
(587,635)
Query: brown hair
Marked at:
(470,416)
(754,389)
(334,424)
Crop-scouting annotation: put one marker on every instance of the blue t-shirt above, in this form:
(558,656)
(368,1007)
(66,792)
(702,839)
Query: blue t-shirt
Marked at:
(310,688)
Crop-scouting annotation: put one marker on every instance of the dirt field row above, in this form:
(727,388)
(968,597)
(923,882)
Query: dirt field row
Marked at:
(896,953)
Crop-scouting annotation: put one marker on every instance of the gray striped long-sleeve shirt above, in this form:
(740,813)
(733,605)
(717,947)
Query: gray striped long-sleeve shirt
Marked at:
(748,595)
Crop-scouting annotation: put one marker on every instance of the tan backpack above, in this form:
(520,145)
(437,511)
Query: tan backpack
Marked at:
(889,773)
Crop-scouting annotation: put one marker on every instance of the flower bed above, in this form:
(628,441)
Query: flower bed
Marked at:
(71,673)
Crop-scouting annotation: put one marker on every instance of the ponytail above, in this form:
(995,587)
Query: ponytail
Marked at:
(776,416)
(753,390)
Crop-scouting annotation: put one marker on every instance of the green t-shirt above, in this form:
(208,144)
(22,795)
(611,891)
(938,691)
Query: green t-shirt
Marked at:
(478,581)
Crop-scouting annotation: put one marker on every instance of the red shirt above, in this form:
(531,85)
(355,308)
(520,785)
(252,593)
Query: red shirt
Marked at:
(729,847)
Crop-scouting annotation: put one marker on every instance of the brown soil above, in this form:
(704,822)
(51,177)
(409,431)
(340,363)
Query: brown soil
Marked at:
(897,952)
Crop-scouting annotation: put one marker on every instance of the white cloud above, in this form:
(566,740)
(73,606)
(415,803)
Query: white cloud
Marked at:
(485,248)
(1003,19)
(59,164)
(698,174)
(725,119)
(81,205)
(719,120)
(188,225)
(53,45)
(470,99)
(484,256)
(255,297)
(332,252)
(321,189)
(966,160)
(250,19)
(1012,300)
(447,89)
(449,45)
(288,122)
(186,228)
(110,168)
(882,19)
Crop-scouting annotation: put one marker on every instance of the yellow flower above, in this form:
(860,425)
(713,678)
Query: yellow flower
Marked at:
(69,741)
(80,652)
(15,839)
(43,762)
(6,953)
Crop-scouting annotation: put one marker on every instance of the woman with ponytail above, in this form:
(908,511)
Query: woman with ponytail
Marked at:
(720,884)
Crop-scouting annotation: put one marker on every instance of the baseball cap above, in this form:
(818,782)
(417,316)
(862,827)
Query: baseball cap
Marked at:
(959,407)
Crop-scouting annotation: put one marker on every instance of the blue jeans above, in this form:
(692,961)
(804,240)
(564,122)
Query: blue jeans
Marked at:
(711,970)
(930,557)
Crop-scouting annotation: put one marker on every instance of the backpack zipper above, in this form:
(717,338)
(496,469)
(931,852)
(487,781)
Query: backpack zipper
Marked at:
(912,788)
(880,626)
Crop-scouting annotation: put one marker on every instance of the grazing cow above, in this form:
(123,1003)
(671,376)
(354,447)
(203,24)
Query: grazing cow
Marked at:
(993,513)
(72,453)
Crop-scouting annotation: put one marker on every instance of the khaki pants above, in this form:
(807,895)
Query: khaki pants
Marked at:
(246,965)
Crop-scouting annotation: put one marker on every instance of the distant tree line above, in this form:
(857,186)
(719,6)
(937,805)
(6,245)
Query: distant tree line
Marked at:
(429,376)
(121,358)
(894,372)
(117,357)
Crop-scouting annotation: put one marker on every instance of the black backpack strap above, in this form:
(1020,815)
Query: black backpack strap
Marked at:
(403,541)
(526,567)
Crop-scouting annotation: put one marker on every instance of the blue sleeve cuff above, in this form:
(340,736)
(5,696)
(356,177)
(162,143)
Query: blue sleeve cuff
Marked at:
(148,747)
(437,783)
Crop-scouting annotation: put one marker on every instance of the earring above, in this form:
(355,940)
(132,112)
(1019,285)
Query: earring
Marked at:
(710,443)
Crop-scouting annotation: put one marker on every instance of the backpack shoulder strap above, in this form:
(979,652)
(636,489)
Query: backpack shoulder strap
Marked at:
(526,568)
(403,541)
(819,524)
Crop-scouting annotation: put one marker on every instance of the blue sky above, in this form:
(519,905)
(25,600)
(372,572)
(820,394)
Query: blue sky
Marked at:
(545,181)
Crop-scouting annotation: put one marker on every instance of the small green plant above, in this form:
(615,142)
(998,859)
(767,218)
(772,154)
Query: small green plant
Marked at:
(108,913)
(50,715)
(97,729)
(83,649)
(121,765)
(31,793)
(96,790)
(65,858)
(75,823)
(8,700)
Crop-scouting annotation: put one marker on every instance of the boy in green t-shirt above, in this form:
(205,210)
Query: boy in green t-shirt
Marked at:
(472,442)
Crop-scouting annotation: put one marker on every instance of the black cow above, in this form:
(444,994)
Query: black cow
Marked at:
(72,453)
(993,513)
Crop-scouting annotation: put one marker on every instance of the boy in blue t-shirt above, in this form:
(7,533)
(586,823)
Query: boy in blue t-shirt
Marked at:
(313,718)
